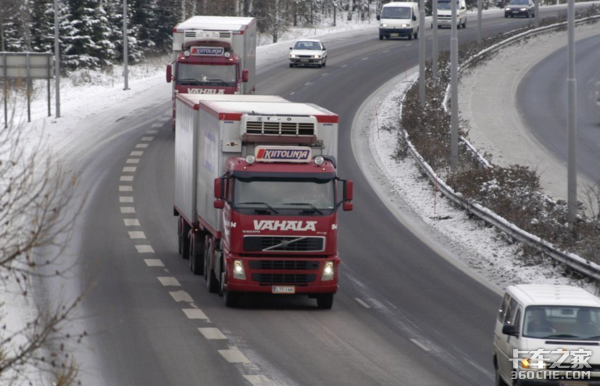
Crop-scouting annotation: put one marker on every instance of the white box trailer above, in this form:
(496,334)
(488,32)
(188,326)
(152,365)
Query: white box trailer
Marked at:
(212,128)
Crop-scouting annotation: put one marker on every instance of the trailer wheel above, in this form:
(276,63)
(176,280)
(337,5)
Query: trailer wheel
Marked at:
(325,301)
(184,239)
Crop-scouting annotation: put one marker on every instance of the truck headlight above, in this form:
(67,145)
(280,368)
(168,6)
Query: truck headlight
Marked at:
(404,25)
(384,25)
(532,364)
(292,56)
(328,271)
(238,270)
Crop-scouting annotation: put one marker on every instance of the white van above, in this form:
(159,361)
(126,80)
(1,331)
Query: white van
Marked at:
(547,332)
(399,19)
(445,14)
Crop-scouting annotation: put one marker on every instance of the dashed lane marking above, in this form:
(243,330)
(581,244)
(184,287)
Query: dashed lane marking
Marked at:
(126,178)
(129,169)
(362,303)
(147,139)
(125,188)
(154,263)
(259,380)
(132,161)
(421,345)
(153,131)
(169,281)
(136,235)
(181,296)
(141,146)
(127,209)
(157,125)
(137,153)
(234,356)
(194,313)
(131,222)
(144,248)
(212,333)
(125,199)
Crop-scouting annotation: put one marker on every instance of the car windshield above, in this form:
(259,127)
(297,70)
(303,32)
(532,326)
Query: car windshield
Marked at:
(562,322)
(278,196)
(518,2)
(395,13)
(307,46)
(205,75)
(445,5)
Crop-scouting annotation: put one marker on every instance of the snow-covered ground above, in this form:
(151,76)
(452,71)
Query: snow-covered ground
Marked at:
(84,106)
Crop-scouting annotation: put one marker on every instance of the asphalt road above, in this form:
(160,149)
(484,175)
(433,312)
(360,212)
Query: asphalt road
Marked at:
(542,102)
(404,314)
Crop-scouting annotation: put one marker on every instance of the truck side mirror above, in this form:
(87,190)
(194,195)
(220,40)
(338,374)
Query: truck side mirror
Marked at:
(347,206)
(509,329)
(245,75)
(218,187)
(414,17)
(378,17)
(169,73)
(349,191)
(219,204)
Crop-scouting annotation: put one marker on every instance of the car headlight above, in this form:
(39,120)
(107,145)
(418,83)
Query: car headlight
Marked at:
(523,9)
(328,271)
(507,9)
(529,364)
(384,25)
(404,25)
(238,270)
(317,56)
(292,56)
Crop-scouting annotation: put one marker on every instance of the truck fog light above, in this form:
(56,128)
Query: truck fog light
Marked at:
(187,53)
(328,271)
(238,270)
(319,160)
(250,159)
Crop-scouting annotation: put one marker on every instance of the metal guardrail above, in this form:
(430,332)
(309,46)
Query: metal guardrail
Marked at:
(571,260)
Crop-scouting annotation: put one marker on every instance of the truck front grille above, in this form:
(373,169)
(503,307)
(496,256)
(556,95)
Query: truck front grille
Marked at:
(285,265)
(284,243)
(280,128)
(268,278)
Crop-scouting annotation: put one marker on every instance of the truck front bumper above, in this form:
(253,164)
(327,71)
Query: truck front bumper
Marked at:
(283,275)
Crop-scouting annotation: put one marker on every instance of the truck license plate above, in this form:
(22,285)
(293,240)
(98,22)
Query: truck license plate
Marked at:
(277,289)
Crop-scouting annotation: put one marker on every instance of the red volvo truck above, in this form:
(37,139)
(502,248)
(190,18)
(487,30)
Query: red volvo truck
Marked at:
(213,55)
(257,194)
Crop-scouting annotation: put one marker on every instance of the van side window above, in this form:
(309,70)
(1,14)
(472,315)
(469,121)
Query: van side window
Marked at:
(517,320)
(510,313)
(503,307)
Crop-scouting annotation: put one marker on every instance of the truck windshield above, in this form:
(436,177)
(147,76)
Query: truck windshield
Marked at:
(562,322)
(395,13)
(277,196)
(205,75)
(446,5)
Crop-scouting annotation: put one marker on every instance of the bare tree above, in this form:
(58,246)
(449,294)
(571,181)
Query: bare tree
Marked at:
(34,195)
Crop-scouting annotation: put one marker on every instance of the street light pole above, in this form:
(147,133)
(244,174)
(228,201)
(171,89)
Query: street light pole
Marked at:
(56,60)
(125,53)
(572,123)
(454,89)
(421,53)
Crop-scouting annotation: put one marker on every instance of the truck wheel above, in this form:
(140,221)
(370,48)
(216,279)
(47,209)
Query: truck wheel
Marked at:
(230,299)
(291,65)
(380,37)
(410,37)
(211,281)
(196,261)
(325,301)
(417,35)
(465,23)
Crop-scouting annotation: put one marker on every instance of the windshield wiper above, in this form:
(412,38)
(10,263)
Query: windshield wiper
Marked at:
(562,336)
(303,203)
(190,81)
(258,203)
(218,81)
